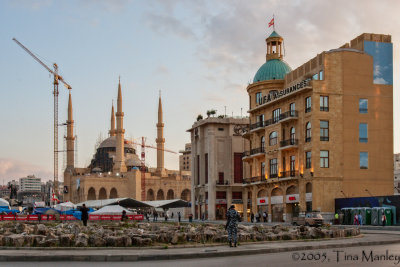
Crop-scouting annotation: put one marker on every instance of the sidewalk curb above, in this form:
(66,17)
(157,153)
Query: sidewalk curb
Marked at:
(207,253)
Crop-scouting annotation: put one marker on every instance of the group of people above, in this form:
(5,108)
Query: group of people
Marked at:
(259,217)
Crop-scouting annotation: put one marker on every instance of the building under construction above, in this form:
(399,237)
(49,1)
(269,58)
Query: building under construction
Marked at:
(117,171)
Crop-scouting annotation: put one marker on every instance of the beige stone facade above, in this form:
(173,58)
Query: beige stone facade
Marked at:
(115,170)
(185,158)
(311,138)
(217,173)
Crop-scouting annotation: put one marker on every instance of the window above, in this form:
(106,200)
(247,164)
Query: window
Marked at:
(363,105)
(236,195)
(198,169)
(220,178)
(324,159)
(276,114)
(220,195)
(308,104)
(273,138)
(363,133)
(292,108)
(273,168)
(308,159)
(206,167)
(308,132)
(363,160)
(259,98)
(315,76)
(323,103)
(260,120)
(238,168)
(292,135)
(262,142)
(263,169)
(292,165)
(220,129)
(324,130)
(321,75)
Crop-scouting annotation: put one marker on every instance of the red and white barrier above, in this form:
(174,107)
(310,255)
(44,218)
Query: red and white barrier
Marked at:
(138,217)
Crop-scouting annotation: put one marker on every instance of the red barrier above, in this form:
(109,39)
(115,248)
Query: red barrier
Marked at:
(94,217)
(138,217)
(62,217)
(105,217)
(1,217)
(8,217)
(116,217)
(22,218)
(32,218)
(51,217)
(70,217)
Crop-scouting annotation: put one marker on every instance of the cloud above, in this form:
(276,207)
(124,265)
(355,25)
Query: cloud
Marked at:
(166,25)
(11,169)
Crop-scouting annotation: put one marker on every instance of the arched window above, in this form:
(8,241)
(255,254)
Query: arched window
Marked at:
(262,142)
(308,132)
(292,135)
(273,138)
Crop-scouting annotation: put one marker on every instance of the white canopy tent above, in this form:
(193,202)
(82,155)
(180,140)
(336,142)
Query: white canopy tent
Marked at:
(4,203)
(65,206)
(125,202)
(111,210)
(167,204)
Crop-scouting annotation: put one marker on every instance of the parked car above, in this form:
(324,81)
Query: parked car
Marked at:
(311,219)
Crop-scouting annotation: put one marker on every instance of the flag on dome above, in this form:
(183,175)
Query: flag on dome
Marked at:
(271,23)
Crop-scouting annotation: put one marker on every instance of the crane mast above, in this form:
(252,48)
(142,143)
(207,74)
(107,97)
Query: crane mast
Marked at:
(57,78)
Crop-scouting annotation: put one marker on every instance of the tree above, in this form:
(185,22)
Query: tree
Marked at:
(199,117)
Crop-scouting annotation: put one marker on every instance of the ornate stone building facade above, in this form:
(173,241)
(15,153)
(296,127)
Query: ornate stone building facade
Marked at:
(321,131)
(115,169)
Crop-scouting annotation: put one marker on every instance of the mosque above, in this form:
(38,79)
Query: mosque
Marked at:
(114,171)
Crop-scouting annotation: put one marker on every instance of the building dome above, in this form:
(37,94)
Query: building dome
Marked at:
(112,142)
(273,69)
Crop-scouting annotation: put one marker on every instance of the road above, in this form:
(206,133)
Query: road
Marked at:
(389,255)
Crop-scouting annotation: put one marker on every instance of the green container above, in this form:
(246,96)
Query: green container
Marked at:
(375,216)
(367,218)
(388,213)
(347,216)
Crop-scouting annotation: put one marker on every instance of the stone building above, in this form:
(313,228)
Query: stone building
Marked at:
(185,158)
(321,131)
(217,173)
(115,168)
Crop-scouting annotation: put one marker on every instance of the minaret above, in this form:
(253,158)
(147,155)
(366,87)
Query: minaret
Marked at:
(112,128)
(119,161)
(70,136)
(160,140)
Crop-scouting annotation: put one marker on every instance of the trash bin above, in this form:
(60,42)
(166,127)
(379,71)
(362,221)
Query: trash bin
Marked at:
(375,216)
(348,216)
(345,212)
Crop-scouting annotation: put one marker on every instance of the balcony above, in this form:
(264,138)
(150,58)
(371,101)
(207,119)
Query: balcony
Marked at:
(255,179)
(222,182)
(273,175)
(288,115)
(289,174)
(259,151)
(287,144)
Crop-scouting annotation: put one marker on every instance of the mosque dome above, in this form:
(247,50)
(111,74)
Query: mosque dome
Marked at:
(112,142)
(274,69)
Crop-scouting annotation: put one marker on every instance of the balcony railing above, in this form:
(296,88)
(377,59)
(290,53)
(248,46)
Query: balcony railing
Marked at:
(324,108)
(292,173)
(273,175)
(288,114)
(245,154)
(324,138)
(257,150)
(308,139)
(254,179)
(282,116)
(308,109)
(290,142)
(363,139)
(256,125)
(223,182)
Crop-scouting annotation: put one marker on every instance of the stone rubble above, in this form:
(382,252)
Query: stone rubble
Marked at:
(122,234)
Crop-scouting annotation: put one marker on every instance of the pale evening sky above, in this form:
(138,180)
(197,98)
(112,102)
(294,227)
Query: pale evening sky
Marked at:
(201,54)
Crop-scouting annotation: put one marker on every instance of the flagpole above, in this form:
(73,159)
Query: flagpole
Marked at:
(273,18)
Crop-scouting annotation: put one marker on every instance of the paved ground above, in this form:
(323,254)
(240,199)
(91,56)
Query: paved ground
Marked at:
(369,238)
(354,256)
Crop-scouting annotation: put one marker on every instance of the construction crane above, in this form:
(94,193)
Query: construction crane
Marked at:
(57,78)
(143,162)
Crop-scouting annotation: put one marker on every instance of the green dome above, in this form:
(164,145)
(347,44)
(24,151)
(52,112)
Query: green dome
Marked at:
(273,69)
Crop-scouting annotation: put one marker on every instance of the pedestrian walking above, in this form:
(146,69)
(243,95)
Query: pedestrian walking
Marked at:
(232,218)
(252,217)
(172,215)
(124,217)
(265,216)
(355,222)
(360,219)
(179,216)
(383,219)
(85,214)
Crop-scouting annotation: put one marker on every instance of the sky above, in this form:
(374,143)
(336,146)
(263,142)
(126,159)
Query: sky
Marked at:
(200,54)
